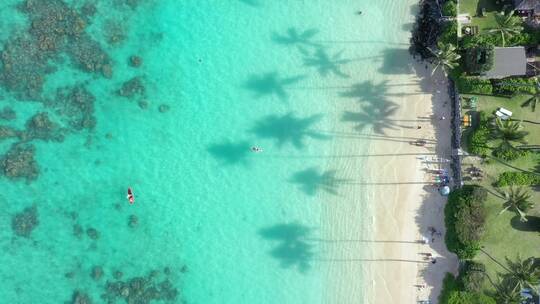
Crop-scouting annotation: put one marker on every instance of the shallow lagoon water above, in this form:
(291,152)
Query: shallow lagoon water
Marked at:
(232,226)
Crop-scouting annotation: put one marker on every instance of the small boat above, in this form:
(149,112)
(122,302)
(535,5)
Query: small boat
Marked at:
(130,196)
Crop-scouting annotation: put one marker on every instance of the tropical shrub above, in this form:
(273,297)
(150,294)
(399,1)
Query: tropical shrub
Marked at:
(465,217)
(449,33)
(507,152)
(474,85)
(518,179)
(473,41)
(479,59)
(472,276)
(449,9)
(463,297)
(450,285)
(514,85)
(479,136)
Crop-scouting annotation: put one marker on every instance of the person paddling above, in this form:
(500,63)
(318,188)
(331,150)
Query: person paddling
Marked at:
(130,196)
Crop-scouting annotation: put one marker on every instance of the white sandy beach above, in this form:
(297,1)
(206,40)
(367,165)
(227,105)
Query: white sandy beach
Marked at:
(380,260)
(407,208)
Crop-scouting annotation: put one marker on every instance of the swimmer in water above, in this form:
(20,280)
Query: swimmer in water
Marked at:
(256,149)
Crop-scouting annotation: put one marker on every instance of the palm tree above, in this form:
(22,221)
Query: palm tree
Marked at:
(524,274)
(509,131)
(445,57)
(507,293)
(517,200)
(533,100)
(507,25)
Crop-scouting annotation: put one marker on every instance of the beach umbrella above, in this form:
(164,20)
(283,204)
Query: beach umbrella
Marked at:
(445,190)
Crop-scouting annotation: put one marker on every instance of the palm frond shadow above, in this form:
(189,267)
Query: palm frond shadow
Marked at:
(288,129)
(293,249)
(312,180)
(271,84)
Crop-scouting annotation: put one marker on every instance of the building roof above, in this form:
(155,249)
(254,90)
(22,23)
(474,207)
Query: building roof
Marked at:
(508,61)
(527,5)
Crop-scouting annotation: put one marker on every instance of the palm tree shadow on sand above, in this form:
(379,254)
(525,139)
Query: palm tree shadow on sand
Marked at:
(292,249)
(230,153)
(375,115)
(270,84)
(367,91)
(295,37)
(288,129)
(327,64)
(312,180)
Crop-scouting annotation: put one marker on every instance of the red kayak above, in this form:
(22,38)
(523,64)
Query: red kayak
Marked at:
(130,196)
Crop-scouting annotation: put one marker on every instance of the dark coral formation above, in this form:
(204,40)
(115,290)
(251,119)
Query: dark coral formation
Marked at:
(55,29)
(143,104)
(97,272)
(115,33)
(75,105)
(163,108)
(78,231)
(23,223)
(7,113)
(7,132)
(131,88)
(80,297)
(19,162)
(41,127)
(133,221)
(135,61)
(92,233)
(141,290)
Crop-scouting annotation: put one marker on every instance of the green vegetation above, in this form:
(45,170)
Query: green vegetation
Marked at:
(514,85)
(511,178)
(449,8)
(474,85)
(479,59)
(449,286)
(445,57)
(507,25)
(472,276)
(465,217)
(519,201)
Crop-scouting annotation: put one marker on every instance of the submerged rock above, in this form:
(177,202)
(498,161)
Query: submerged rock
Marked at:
(80,298)
(24,222)
(163,108)
(133,221)
(118,275)
(132,87)
(140,290)
(78,231)
(143,104)
(41,127)
(92,233)
(115,33)
(97,272)
(135,61)
(7,132)
(8,113)
(19,162)
(75,105)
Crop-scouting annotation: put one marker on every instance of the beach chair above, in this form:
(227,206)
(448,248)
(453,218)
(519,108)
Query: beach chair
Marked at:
(501,115)
(505,112)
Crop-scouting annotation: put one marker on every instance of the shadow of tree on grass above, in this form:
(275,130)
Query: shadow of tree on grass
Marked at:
(288,129)
(293,249)
(311,180)
(531,225)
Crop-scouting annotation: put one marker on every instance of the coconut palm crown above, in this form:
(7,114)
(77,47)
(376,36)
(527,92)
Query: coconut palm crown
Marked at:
(507,25)
(446,57)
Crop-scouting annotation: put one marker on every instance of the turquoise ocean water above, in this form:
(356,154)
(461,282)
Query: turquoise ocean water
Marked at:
(218,222)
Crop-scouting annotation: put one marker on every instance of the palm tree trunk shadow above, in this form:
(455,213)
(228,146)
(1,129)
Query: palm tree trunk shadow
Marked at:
(364,241)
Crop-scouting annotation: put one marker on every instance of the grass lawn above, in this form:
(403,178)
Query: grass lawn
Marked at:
(473,8)
(505,235)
